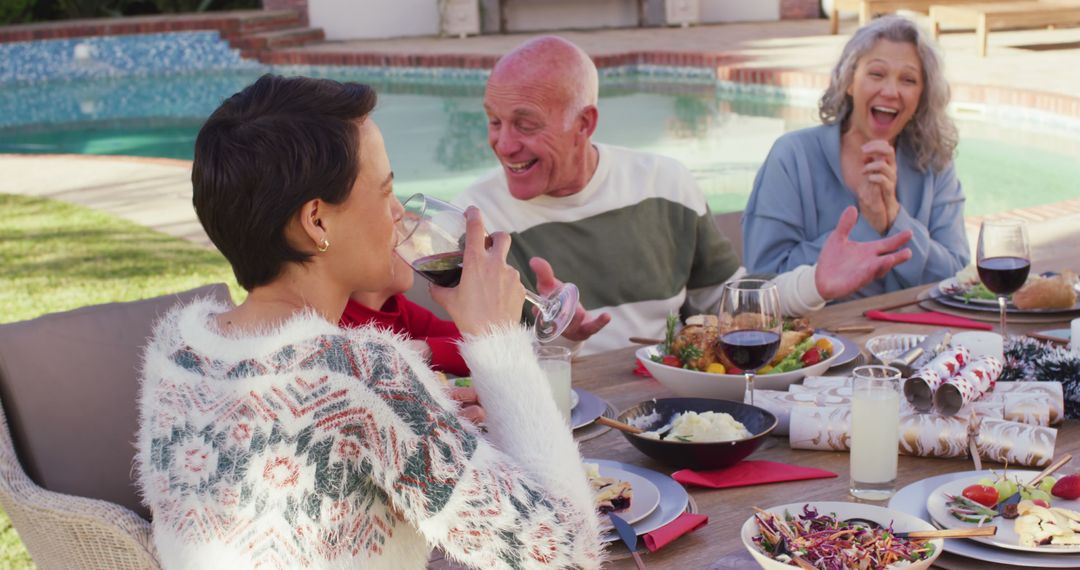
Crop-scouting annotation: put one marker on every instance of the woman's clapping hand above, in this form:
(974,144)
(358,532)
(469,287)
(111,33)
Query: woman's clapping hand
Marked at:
(876,193)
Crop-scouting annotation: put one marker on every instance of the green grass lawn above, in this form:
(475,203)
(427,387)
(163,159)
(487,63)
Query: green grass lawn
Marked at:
(56,256)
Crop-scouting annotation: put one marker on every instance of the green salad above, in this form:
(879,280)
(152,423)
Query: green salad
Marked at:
(978,291)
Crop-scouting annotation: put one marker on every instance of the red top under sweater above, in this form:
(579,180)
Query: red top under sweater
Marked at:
(402,316)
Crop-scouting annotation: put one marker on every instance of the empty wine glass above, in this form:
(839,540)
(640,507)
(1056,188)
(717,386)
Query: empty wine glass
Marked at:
(750,325)
(1003,259)
(431,239)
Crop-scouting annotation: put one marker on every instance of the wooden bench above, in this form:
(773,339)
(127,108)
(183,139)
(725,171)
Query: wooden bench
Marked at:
(869,8)
(987,16)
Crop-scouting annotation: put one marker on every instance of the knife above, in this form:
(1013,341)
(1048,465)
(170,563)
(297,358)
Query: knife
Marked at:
(908,362)
(1015,497)
(628,536)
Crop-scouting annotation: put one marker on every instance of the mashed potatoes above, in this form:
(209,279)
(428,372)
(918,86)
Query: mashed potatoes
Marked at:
(701,428)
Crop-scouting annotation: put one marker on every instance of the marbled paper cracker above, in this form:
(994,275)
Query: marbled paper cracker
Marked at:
(1015,443)
(929,435)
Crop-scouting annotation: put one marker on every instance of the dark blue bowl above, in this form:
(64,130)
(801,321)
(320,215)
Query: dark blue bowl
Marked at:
(693,455)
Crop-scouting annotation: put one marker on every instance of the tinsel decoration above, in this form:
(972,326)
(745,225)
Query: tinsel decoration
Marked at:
(1031,360)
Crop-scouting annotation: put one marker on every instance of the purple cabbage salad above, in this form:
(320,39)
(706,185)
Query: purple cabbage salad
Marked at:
(829,543)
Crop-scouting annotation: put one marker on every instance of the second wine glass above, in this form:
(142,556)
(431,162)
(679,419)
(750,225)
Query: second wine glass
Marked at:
(750,325)
(431,238)
(1003,259)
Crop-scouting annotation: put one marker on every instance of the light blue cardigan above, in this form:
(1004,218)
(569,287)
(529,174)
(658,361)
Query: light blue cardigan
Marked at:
(799,195)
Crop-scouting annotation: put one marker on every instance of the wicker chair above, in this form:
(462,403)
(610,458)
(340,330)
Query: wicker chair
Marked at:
(68,385)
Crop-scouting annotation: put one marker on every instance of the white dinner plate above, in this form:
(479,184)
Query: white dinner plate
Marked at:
(912,500)
(645,498)
(673,498)
(1006,536)
(900,522)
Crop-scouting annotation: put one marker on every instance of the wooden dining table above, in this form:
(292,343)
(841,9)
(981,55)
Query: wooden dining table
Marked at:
(718,545)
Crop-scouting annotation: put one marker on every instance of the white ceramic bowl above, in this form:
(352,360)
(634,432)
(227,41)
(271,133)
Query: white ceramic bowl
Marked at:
(902,522)
(694,384)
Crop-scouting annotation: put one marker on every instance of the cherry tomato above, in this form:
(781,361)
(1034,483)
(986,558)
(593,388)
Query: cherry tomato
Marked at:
(811,357)
(734,370)
(985,495)
(671,360)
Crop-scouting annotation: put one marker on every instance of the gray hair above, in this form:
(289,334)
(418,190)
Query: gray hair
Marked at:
(930,133)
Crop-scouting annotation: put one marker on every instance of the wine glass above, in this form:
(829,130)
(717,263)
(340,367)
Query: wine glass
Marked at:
(431,239)
(1003,258)
(750,325)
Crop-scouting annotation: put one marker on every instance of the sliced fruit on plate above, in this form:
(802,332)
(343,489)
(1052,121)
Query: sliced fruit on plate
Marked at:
(1039,525)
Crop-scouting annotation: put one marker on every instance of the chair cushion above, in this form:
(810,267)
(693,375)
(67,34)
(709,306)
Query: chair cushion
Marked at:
(69,383)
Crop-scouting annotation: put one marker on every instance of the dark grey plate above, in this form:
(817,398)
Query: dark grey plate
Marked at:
(589,407)
(673,498)
(851,351)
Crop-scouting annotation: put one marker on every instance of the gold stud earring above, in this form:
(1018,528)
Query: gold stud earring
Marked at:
(324,246)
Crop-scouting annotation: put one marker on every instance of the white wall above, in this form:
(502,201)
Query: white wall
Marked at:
(535,15)
(716,11)
(357,19)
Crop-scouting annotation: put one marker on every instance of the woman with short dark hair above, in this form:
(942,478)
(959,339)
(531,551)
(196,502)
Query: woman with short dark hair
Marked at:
(270,437)
(885,146)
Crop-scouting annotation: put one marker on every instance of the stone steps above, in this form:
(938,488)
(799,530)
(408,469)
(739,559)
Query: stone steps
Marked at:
(252,45)
(253,32)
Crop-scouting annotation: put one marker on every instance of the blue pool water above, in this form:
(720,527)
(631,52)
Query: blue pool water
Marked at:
(435,131)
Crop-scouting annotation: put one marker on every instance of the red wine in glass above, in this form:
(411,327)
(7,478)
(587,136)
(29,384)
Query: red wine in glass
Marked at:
(749,349)
(750,323)
(1003,258)
(431,238)
(1004,275)
(442,269)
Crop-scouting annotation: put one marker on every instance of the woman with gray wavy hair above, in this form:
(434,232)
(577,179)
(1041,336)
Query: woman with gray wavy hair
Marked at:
(885,146)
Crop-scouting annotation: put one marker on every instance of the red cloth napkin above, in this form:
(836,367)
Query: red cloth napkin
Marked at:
(746,473)
(640,370)
(685,524)
(929,318)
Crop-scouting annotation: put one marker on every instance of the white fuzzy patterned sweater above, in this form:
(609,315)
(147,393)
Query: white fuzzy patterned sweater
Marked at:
(310,446)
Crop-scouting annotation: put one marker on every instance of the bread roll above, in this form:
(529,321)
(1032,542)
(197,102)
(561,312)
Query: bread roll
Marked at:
(1055,292)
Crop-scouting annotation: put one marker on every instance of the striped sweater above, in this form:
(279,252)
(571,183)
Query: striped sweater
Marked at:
(310,446)
(638,241)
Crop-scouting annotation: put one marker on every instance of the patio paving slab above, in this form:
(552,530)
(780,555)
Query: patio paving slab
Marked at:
(1041,60)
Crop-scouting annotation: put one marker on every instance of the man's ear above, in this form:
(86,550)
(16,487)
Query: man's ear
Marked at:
(588,118)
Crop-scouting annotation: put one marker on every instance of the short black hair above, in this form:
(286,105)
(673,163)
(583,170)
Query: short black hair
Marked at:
(264,153)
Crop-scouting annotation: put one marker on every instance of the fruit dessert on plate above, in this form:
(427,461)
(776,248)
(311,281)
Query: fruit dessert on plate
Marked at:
(610,494)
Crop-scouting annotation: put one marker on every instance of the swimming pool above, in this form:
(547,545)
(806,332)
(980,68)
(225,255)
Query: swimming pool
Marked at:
(435,131)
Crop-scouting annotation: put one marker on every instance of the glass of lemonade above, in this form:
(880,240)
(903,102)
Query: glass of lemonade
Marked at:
(555,362)
(875,427)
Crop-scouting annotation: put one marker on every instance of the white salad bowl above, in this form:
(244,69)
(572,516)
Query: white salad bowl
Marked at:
(901,522)
(694,384)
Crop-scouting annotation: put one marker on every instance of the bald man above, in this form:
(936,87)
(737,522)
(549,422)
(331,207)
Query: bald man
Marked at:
(631,229)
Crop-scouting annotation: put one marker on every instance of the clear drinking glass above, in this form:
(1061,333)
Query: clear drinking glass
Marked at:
(875,431)
(1004,259)
(555,362)
(431,239)
(750,325)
